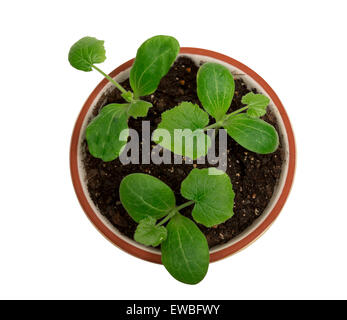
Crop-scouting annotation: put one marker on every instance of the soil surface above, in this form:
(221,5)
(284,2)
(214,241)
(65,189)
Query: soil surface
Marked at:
(253,176)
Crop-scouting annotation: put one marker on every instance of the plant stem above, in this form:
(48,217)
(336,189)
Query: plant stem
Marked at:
(235,113)
(214,125)
(184,205)
(168,217)
(174,211)
(118,86)
(221,123)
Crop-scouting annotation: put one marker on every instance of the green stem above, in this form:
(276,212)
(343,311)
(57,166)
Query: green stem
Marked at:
(118,86)
(174,211)
(235,113)
(214,126)
(182,206)
(167,218)
(221,123)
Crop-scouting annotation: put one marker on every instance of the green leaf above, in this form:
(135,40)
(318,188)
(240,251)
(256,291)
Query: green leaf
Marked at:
(143,195)
(185,252)
(148,233)
(153,61)
(213,194)
(138,108)
(103,134)
(86,52)
(256,103)
(215,86)
(252,133)
(184,124)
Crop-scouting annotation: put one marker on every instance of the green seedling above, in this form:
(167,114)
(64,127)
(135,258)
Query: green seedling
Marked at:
(153,60)
(149,201)
(185,253)
(215,88)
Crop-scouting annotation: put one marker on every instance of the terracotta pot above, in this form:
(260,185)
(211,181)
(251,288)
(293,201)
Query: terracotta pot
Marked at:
(259,226)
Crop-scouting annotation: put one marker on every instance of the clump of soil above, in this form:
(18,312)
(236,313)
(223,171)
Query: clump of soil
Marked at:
(253,176)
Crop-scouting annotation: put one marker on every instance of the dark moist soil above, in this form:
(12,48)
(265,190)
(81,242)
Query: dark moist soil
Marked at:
(253,176)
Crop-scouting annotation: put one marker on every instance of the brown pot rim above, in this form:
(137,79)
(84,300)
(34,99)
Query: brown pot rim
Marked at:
(217,255)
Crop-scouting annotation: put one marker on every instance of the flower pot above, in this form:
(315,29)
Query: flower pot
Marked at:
(242,240)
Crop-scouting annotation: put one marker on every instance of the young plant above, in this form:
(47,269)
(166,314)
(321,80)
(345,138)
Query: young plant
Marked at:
(215,88)
(153,60)
(185,253)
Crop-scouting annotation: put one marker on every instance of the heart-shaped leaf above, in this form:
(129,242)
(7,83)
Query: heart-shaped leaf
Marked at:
(256,103)
(184,127)
(252,133)
(185,252)
(143,195)
(86,52)
(215,86)
(153,61)
(103,134)
(212,191)
(138,108)
(148,233)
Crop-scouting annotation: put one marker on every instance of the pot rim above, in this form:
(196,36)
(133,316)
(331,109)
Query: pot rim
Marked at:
(226,250)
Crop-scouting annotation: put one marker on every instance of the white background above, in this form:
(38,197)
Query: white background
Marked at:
(49,249)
